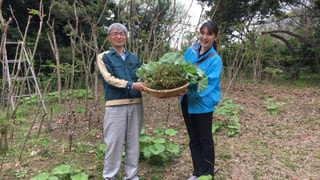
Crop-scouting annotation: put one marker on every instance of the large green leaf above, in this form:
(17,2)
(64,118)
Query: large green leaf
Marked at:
(171,132)
(147,151)
(202,84)
(144,138)
(157,149)
(172,57)
(173,148)
(159,132)
(205,177)
(53,178)
(42,176)
(62,169)
(80,176)
(158,140)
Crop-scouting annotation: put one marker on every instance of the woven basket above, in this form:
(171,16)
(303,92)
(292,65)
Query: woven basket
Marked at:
(166,93)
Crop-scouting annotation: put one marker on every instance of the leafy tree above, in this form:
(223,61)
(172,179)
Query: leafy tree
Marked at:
(293,24)
(230,13)
(299,32)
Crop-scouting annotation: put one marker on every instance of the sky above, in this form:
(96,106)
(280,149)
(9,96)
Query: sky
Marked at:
(194,11)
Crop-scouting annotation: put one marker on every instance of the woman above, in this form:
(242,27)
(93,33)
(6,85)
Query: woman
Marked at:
(197,108)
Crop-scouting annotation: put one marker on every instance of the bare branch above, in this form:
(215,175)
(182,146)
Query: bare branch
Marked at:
(41,16)
(302,39)
(215,10)
(18,28)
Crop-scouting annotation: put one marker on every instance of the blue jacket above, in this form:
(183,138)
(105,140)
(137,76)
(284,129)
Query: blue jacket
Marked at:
(206,100)
(118,77)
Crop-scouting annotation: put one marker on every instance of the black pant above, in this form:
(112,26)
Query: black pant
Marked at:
(201,144)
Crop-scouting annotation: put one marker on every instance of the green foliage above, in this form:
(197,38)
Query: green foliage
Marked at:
(158,149)
(5,125)
(170,72)
(2,148)
(42,176)
(53,96)
(208,177)
(20,174)
(79,176)
(273,107)
(63,172)
(274,72)
(33,11)
(1,81)
(65,72)
(170,132)
(100,151)
(229,120)
(231,13)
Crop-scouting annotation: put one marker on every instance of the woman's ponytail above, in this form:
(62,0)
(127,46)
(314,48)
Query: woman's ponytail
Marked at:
(214,45)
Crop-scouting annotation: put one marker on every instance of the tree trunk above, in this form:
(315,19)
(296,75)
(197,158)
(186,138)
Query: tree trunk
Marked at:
(295,72)
(55,50)
(96,49)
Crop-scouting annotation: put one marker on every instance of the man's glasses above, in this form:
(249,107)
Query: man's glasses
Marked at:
(117,33)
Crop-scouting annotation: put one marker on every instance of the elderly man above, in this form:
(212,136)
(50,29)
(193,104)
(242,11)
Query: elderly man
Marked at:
(123,105)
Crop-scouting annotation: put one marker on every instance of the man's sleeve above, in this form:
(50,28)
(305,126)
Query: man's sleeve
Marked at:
(105,71)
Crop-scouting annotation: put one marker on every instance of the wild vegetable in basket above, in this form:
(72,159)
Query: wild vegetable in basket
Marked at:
(171,71)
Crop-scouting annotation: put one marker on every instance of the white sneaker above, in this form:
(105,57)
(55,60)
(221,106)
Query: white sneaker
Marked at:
(193,178)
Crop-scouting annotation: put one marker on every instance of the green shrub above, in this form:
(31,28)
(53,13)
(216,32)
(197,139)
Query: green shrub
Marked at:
(158,149)
(229,120)
(272,107)
(62,172)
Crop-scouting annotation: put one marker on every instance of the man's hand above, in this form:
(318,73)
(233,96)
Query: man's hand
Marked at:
(139,86)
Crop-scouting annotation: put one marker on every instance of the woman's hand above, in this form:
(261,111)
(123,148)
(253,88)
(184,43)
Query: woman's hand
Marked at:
(184,92)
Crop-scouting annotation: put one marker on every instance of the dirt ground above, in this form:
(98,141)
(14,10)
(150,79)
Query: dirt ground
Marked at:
(279,146)
(284,145)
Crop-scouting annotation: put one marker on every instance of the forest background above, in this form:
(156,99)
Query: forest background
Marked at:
(261,42)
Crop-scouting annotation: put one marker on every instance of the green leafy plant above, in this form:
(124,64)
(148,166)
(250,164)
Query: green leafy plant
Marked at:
(62,172)
(100,151)
(20,174)
(171,71)
(208,177)
(273,108)
(158,149)
(274,72)
(53,96)
(227,113)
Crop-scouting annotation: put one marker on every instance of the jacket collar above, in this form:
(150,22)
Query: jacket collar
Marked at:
(112,51)
(196,49)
